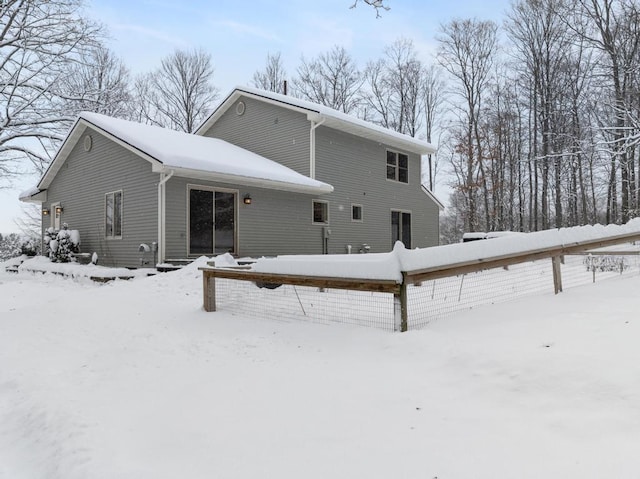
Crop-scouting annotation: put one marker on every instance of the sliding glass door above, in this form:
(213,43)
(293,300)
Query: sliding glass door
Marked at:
(401,228)
(212,220)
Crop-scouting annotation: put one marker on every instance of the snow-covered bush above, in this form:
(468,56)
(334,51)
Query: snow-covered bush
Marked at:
(62,244)
(606,263)
(30,247)
(49,236)
(9,246)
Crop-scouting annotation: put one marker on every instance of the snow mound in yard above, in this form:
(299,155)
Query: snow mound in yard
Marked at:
(225,261)
(134,380)
(43,264)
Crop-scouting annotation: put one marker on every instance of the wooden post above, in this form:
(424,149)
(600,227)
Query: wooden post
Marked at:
(209,291)
(404,324)
(557,274)
(400,307)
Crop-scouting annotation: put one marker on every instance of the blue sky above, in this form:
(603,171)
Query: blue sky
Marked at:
(239,35)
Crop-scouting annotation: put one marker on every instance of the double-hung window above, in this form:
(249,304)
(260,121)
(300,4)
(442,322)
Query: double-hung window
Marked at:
(397,167)
(113,215)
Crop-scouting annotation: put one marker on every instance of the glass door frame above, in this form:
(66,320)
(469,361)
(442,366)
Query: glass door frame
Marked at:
(213,190)
(401,229)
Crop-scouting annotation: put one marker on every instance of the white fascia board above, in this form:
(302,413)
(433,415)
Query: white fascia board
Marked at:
(380,135)
(233,97)
(321,189)
(36,198)
(67,145)
(142,154)
(217,113)
(338,121)
(435,199)
(72,139)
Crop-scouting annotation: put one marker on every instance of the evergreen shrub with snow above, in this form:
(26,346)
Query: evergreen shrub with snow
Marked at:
(30,247)
(62,245)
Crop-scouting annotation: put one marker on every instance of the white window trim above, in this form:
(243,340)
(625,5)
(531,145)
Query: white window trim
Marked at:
(361,220)
(397,153)
(391,210)
(54,217)
(324,223)
(114,237)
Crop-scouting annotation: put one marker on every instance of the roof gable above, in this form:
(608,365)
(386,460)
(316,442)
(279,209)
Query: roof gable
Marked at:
(186,155)
(328,116)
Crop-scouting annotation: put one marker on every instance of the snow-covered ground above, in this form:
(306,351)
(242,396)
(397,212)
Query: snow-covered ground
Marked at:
(132,380)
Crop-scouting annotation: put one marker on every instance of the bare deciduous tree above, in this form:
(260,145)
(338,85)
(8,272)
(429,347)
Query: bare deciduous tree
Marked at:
(273,77)
(433,96)
(179,94)
(39,39)
(395,87)
(613,28)
(377,4)
(98,82)
(466,51)
(544,46)
(332,79)
(30,221)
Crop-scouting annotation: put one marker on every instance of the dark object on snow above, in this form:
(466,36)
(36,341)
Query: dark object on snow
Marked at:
(261,284)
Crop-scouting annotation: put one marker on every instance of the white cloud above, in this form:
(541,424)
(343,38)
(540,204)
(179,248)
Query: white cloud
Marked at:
(149,33)
(246,29)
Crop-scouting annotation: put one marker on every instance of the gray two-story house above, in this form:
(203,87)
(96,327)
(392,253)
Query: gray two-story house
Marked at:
(266,174)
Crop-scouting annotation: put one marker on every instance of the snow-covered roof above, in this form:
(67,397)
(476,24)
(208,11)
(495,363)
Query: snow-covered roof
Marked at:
(32,195)
(330,118)
(188,155)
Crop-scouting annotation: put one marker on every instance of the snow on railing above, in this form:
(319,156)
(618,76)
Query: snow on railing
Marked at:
(403,272)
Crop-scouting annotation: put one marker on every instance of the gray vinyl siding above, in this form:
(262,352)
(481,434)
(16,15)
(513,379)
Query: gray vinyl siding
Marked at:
(274,132)
(356,168)
(80,186)
(279,222)
(275,222)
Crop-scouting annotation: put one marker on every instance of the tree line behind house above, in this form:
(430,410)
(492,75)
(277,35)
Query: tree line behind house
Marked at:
(537,120)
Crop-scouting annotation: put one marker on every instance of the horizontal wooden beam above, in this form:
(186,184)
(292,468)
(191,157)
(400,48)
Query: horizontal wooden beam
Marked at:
(356,284)
(608,253)
(480,264)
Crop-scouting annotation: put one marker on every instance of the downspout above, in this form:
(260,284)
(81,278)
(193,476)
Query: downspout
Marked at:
(312,147)
(161,207)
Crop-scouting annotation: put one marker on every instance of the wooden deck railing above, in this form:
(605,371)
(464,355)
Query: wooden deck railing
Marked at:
(399,290)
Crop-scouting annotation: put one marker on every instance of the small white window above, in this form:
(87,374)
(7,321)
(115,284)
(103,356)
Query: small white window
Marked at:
(113,215)
(320,212)
(356,213)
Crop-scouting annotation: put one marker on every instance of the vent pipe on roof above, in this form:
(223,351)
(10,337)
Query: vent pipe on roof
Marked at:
(284,87)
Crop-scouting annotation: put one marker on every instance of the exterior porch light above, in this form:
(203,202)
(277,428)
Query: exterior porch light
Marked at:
(59,209)
(247,199)
(45,211)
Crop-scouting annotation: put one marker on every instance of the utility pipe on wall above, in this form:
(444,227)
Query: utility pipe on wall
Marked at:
(312,147)
(161,216)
